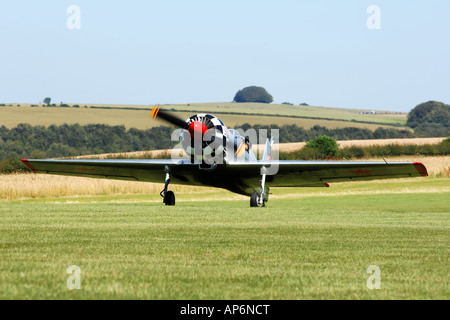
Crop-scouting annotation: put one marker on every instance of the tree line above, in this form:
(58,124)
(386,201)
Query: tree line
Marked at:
(26,141)
(69,140)
(324,147)
(293,133)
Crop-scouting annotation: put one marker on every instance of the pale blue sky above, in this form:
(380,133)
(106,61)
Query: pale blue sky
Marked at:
(157,52)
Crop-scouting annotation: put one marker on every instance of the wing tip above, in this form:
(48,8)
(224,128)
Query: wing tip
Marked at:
(421,169)
(29,166)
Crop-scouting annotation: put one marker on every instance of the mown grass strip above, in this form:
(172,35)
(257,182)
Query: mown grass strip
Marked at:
(306,248)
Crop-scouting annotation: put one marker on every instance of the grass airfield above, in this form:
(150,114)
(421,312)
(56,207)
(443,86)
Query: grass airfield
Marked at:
(307,244)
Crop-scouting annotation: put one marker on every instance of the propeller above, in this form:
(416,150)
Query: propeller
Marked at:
(195,128)
(170,118)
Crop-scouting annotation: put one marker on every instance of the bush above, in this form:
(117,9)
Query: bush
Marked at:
(11,165)
(352,152)
(325,146)
(444,147)
(425,130)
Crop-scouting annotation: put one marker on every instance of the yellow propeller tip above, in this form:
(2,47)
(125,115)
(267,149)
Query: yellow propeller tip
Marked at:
(155,112)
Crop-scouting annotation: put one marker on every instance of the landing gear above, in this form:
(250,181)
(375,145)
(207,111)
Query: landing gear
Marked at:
(169,199)
(260,199)
(254,200)
(168,196)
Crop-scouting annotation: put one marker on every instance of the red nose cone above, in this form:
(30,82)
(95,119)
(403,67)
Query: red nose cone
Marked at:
(197,126)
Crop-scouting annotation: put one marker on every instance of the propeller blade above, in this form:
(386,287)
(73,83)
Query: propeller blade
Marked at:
(240,148)
(170,118)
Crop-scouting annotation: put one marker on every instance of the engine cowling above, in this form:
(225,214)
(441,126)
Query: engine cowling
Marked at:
(205,138)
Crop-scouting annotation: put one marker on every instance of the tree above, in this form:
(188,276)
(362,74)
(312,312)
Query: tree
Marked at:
(430,119)
(431,112)
(47,101)
(253,94)
(326,146)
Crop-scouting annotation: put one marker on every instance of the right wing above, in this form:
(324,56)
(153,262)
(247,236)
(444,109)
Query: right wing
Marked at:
(247,176)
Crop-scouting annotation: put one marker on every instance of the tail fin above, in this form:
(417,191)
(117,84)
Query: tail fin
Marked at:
(267,155)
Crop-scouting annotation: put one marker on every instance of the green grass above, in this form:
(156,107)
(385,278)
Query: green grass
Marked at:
(304,245)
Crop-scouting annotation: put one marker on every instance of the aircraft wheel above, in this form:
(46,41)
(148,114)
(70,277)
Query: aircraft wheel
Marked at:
(169,200)
(254,200)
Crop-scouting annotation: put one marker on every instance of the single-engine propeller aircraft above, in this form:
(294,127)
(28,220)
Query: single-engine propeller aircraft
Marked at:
(224,158)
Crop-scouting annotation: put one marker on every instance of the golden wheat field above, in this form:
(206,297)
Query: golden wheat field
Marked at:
(30,185)
(437,166)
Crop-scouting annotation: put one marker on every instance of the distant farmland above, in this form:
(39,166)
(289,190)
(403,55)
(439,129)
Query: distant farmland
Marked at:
(232,114)
(384,117)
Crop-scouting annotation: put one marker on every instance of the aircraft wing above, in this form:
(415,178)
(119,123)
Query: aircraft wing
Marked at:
(182,171)
(320,173)
(240,177)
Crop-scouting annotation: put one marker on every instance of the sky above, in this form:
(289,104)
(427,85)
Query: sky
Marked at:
(381,55)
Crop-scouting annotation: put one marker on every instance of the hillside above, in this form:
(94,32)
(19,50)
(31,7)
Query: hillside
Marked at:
(232,114)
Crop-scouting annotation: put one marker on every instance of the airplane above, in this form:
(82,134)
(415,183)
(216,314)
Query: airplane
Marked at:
(223,158)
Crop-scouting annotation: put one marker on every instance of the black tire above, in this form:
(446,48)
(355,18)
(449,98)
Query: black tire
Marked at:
(254,200)
(169,200)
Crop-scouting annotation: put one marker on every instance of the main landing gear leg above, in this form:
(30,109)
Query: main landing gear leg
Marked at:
(259,200)
(168,196)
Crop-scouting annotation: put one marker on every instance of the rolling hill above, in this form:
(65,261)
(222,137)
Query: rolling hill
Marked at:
(232,114)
